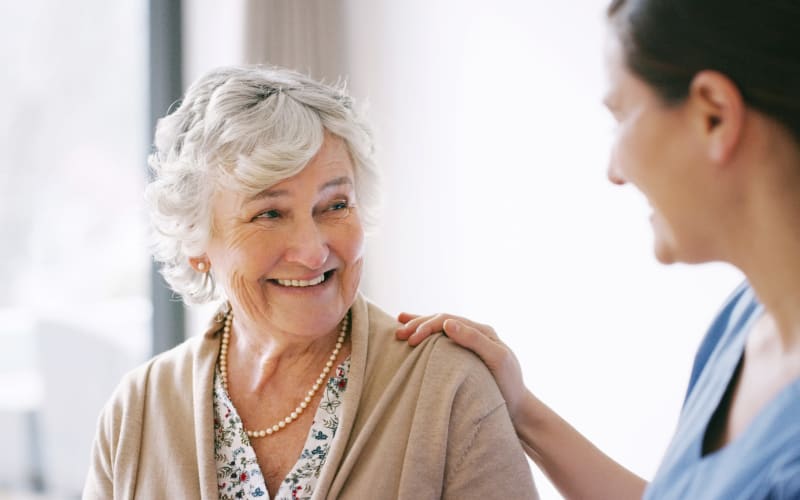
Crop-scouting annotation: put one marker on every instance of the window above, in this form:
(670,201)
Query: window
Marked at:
(74,306)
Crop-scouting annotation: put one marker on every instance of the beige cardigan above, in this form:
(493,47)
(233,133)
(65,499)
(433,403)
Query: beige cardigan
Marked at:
(425,422)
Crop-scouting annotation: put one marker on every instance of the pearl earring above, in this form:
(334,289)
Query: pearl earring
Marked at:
(201,266)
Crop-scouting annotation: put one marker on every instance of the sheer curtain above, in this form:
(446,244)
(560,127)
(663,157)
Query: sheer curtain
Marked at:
(308,36)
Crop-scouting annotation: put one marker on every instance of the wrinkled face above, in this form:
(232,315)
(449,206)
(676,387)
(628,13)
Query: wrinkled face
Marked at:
(290,258)
(655,149)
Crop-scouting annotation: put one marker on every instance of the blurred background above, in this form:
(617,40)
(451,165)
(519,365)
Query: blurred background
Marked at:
(493,146)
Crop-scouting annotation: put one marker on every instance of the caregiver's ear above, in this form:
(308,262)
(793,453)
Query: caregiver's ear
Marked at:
(717,111)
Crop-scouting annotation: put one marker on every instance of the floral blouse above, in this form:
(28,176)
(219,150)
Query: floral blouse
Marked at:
(238,473)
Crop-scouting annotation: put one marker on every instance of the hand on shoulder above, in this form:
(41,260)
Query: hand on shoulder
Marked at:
(477,337)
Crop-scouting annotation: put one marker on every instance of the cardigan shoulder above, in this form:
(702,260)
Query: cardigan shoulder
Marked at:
(436,413)
(165,381)
(169,372)
(159,413)
(446,364)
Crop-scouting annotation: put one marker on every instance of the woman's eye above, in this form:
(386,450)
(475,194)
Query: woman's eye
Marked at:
(338,209)
(339,205)
(268,214)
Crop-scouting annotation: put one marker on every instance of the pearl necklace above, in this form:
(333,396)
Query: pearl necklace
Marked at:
(223,368)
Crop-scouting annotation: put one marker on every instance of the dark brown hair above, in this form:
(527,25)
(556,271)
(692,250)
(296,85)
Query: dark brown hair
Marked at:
(755,43)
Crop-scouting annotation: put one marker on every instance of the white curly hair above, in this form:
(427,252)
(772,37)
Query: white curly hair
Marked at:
(245,128)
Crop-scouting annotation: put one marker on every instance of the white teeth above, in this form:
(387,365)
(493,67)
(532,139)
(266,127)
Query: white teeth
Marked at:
(301,283)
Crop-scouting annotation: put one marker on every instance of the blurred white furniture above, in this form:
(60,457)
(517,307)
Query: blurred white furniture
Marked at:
(20,398)
(56,372)
(79,372)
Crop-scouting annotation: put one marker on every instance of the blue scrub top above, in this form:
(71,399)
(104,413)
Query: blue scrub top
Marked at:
(762,462)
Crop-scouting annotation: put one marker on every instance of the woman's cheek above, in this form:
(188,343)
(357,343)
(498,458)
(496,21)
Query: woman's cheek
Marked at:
(358,246)
(246,294)
(354,259)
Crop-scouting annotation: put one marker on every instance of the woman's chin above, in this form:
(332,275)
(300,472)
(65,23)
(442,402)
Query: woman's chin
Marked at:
(664,252)
(664,247)
(665,259)
(303,326)
(307,318)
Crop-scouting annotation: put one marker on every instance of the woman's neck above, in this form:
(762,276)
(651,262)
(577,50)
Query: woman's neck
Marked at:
(767,244)
(261,354)
(770,258)
(780,295)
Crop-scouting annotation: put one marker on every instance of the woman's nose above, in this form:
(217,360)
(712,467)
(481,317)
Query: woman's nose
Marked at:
(307,245)
(613,172)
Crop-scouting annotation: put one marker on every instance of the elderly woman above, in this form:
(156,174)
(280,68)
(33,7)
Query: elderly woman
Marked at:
(264,182)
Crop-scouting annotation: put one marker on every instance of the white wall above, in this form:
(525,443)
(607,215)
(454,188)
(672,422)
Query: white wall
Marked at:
(494,146)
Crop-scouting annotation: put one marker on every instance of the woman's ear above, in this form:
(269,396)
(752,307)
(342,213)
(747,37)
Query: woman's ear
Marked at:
(200,264)
(720,113)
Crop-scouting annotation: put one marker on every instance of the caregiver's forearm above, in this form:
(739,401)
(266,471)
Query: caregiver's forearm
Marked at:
(575,466)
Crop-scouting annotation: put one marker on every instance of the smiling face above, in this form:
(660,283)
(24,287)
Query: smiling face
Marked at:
(658,148)
(290,257)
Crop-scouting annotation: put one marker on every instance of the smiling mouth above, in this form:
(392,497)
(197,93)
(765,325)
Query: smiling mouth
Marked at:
(304,283)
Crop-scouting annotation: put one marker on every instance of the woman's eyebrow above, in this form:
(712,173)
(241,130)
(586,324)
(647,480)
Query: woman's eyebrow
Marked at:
(267,193)
(276,193)
(339,181)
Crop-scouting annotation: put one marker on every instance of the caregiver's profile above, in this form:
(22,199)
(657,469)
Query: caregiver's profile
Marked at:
(706,96)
